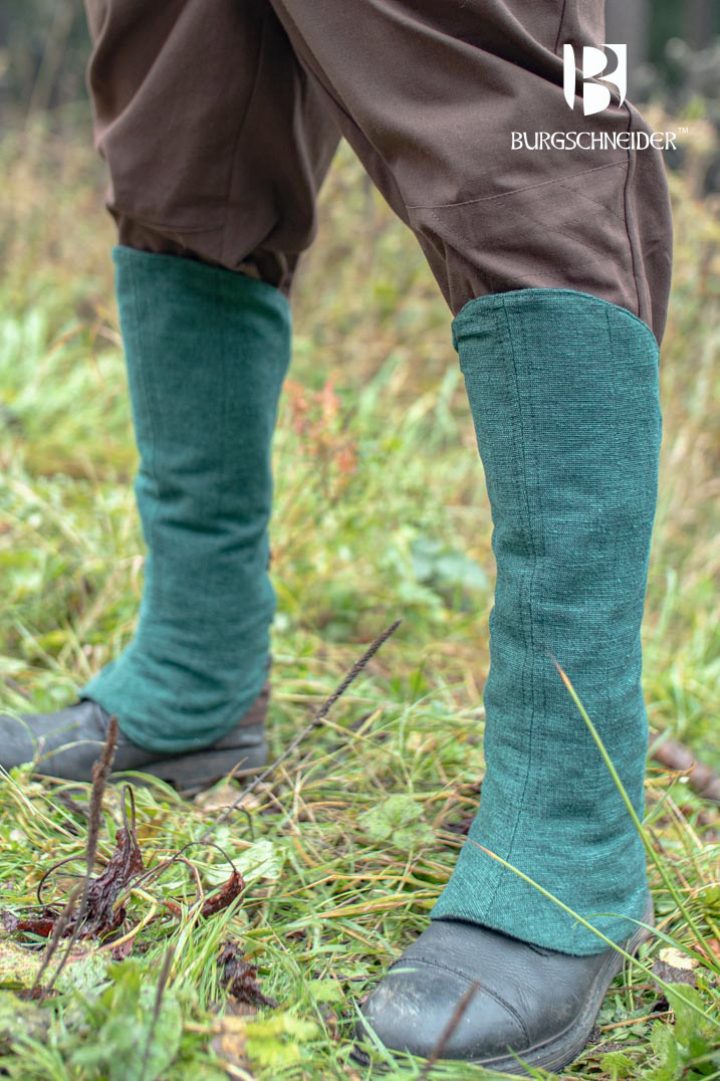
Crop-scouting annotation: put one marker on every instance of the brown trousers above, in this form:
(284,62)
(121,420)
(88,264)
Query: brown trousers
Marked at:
(219,119)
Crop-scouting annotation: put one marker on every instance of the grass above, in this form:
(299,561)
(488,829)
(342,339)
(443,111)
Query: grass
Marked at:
(345,852)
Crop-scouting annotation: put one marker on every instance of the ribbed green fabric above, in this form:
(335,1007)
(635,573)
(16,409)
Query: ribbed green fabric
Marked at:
(563,389)
(206,352)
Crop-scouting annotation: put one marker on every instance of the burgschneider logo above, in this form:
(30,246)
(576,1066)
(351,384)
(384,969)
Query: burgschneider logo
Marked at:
(603,76)
(596,96)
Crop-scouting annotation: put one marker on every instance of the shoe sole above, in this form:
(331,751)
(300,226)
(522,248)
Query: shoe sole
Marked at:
(194,772)
(191,773)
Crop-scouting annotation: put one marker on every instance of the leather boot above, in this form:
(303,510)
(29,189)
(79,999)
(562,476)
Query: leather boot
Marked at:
(563,389)
(514,1002)
(67,743)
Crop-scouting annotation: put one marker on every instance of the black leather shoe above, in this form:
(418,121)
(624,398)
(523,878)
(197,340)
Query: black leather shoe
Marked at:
(66,744)
(530,1003)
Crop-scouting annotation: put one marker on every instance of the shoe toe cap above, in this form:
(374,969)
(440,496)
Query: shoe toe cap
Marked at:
(422,1008)
(64,744)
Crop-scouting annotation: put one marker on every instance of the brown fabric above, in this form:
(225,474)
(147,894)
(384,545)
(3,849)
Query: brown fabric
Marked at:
(216,139)
(219,119)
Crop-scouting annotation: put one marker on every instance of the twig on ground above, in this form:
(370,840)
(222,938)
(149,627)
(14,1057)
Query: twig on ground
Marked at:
(101,894)
(100,773)
(320,715)
(61,925)
(317,720)
(635,1020)
(702,779)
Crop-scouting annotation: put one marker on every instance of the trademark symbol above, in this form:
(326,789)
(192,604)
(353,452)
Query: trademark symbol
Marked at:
(683,130)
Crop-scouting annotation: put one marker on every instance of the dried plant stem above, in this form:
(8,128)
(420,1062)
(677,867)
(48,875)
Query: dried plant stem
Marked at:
(100,773)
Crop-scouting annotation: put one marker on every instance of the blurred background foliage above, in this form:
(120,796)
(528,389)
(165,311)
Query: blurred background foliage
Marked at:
(43,52)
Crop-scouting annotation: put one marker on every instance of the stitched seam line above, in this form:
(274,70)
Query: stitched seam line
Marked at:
(605,710)
(548,292)
(538,685)
(171,226)
(528,661)
(220,303)
(593,202)
(514,191)
(589,1005)
(631,161)
(471,979)
(151,458)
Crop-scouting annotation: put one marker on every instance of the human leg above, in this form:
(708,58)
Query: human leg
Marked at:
(216,148)
(556,266)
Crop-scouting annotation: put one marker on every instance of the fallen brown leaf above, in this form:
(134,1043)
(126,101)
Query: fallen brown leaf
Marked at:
(239,977)
(223,896)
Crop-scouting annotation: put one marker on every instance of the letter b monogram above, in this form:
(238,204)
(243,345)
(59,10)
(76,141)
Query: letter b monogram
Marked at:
(596,95)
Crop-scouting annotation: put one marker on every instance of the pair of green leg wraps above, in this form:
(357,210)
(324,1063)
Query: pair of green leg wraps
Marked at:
(563,389)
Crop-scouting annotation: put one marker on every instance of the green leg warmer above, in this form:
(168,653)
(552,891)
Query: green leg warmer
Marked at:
(207,351)
(563,389)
